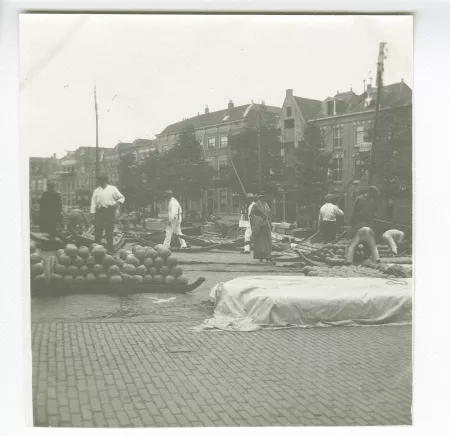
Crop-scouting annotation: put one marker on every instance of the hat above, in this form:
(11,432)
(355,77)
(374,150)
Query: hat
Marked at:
(102,176)
(250,195)
(168,192)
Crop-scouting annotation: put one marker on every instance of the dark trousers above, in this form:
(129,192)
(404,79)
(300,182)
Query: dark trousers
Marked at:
(104,222)
(329,231)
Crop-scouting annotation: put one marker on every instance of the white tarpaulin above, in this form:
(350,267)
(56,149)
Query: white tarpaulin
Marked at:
(249,303)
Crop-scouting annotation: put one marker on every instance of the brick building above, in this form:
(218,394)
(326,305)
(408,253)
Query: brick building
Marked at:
(212,130)
(345,122)
(41,171)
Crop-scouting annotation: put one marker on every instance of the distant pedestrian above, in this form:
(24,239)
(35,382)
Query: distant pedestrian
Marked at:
(261,226)
(50,210)
(362,223)
(327,219)
(392,238)
(175,213)
(105,203)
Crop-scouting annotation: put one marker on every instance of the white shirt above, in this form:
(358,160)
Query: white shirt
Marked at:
(106,197)
(245,221)
(329,212)
(396,235)
(174,210)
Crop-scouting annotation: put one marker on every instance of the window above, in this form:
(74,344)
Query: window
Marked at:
(330,108)
(39,185)
(337,136)
(361,169)
(212,142)
(289,111)
(223,141)
(337,169)
(200,141)
(359,135)
(165,148)
(223,194)
(33,185)
(289,124)
(222,165)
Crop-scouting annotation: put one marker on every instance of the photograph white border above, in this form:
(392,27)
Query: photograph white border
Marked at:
(432,273)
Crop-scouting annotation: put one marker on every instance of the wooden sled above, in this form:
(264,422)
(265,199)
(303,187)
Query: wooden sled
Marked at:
(107,289)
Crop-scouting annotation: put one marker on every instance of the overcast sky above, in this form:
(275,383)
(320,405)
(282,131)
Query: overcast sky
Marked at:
(152,71)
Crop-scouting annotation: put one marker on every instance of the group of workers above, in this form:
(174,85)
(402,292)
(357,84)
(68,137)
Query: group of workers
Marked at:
(105,208)
(255,218)
(362,225)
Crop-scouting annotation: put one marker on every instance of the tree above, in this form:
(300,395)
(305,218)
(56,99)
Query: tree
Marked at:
(312,162)
(245,155)
(190,172)
(182,170)
(129,178)
(393,155)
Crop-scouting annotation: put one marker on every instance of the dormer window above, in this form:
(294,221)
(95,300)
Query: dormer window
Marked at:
(289,111)
(330,108)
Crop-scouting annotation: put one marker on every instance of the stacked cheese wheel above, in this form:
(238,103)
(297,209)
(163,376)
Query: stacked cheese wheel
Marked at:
(83,265)
(151,266)
(37,265)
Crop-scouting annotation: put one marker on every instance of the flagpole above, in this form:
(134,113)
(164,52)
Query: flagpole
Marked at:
(97,151)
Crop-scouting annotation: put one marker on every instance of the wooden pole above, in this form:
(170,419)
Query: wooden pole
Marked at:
(379,85)
(237,175)
(259,153)
(97,150)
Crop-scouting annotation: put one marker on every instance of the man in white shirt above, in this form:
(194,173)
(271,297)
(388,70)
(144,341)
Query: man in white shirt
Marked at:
(392,238)
(174,220)
(327,219)
(246,222)
(106,200)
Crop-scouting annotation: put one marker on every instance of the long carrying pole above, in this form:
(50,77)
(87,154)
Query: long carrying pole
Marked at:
(97,151)
(237,175)
(379,85)
(259,153)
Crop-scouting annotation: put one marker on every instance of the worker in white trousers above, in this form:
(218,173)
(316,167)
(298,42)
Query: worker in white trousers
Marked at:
(392,238)
(245,222)
(174,220)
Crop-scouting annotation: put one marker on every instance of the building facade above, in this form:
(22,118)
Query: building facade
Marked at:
(42,170)
(345,122)
(213,131)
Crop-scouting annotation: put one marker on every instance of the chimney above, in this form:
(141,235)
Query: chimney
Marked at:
(206,109)
(230,104)
(364,86)
(289,92)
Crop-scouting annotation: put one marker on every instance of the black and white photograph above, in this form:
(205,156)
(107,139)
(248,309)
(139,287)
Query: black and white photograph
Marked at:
(220,219)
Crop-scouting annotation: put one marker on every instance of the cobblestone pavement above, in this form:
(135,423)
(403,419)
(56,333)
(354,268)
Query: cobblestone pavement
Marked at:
(118,374)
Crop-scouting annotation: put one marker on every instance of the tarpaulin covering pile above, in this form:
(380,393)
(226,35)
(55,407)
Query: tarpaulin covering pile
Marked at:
(252,302)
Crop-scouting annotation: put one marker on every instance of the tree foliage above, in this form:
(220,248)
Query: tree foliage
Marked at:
(312,162)
(245,155)
(393,154)
(182,170)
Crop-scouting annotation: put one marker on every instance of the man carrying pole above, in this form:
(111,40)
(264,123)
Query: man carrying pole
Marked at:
(245,222)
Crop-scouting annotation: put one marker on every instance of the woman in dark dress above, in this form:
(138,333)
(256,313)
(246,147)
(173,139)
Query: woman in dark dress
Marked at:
(261,224)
